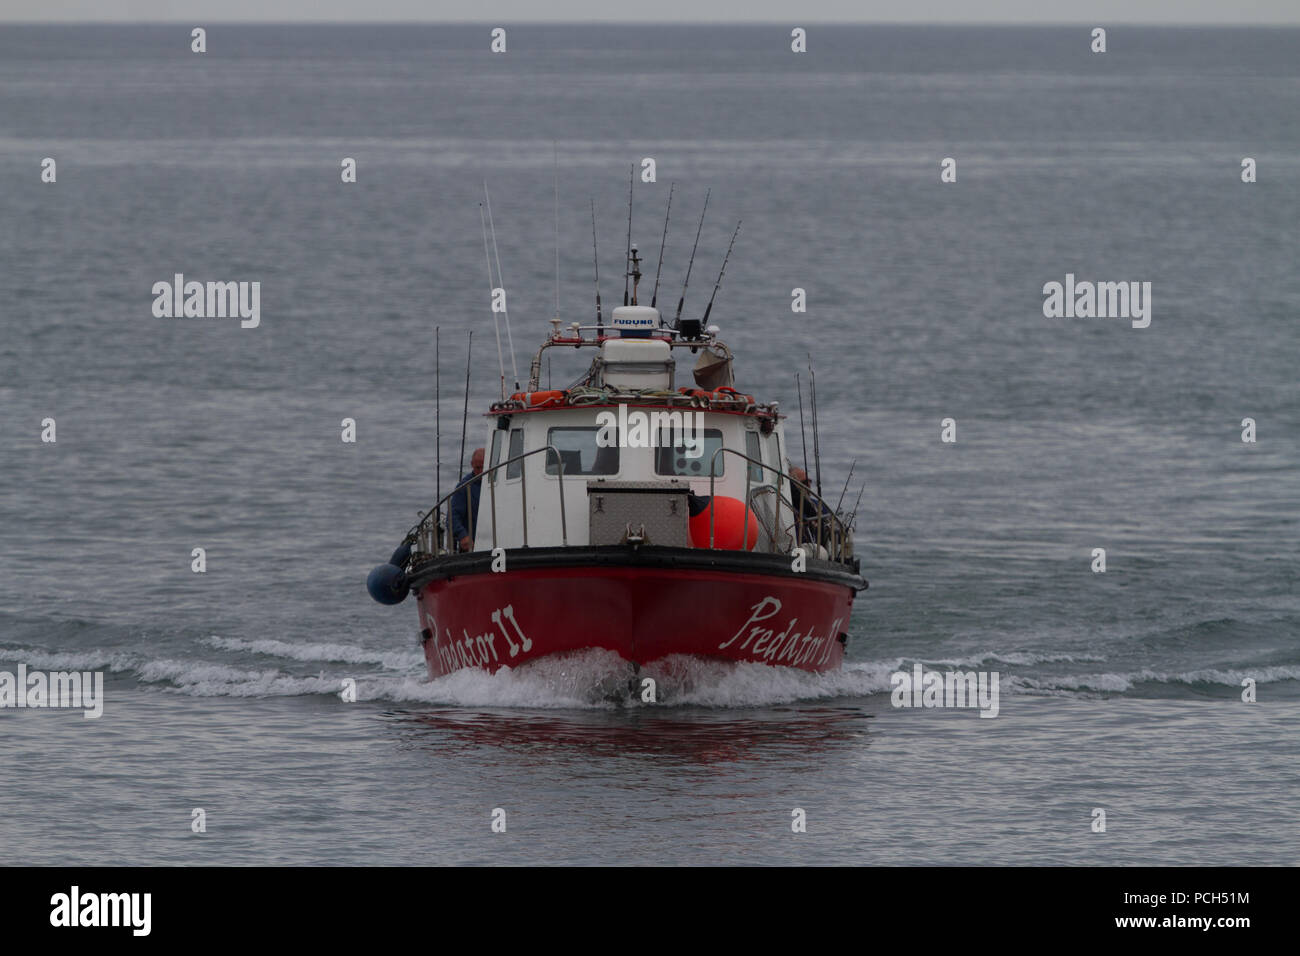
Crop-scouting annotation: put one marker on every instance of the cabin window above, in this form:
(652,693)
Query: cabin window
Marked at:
(515,468)
(580,453)
(773,455)
(774,444)
(498,438)
(753,450)
(674,460)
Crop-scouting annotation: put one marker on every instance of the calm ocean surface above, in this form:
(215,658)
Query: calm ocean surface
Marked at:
(1119,690)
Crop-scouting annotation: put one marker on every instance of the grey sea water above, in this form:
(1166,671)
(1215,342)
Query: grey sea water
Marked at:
(1119,690)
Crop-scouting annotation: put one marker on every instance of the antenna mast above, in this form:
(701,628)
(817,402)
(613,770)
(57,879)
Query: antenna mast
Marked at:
(682,301)
(631,177)
(654,298)
(635,261)
(600,324)
(556,169)
(717,286)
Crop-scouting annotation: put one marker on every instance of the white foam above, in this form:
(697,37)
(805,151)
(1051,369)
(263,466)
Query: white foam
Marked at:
(1017,658)
(267,684)
(590,679)
(696,682)
(583,680)
(193,673)
(202,679)
(37,659)
(338,653)
(1111,682)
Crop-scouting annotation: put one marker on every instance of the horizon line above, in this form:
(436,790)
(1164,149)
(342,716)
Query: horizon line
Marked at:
(993,23)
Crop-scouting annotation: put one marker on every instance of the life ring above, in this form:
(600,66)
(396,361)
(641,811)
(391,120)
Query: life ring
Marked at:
(726,393)
(541,399)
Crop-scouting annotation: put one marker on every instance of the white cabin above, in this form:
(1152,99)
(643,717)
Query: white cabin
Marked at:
(632,444)
(643,451)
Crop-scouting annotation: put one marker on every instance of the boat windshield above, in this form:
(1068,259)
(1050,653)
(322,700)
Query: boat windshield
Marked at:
(580,452)
(673,459)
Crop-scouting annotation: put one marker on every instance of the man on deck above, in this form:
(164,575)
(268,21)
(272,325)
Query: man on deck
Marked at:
(464,503)
(807,508)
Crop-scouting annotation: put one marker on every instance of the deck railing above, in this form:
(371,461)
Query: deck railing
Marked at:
(831,531)
(425,533)
(828,530)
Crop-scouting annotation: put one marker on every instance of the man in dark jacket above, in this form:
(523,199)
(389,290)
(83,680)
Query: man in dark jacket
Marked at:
(807,510)
(464,503)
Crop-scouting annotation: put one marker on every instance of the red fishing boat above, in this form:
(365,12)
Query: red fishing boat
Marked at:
(632,513)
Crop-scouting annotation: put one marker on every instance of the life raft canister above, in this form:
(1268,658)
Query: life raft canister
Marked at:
(541,399)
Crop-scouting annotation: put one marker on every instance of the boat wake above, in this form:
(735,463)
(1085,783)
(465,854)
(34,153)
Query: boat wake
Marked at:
(594,679)
(232,667)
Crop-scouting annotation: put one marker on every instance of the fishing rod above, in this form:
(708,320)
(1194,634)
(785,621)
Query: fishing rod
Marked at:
(846,485)
(704,322)
(817,446)
(682,301)
(662,242)
(464,422)
(631,178)
(803,486)
(505,303)
(437,412)
(464,427)
(496,326)
(853,515)
(596,261)
(802,433)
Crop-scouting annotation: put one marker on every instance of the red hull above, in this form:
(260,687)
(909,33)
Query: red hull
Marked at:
(489,621)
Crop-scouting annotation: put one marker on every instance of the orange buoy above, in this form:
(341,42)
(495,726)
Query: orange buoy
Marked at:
(731,532)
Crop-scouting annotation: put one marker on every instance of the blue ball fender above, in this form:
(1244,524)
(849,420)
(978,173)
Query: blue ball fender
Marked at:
(387,584)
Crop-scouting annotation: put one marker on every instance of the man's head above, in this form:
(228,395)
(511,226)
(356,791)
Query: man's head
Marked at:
(476,461)
(799,475)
